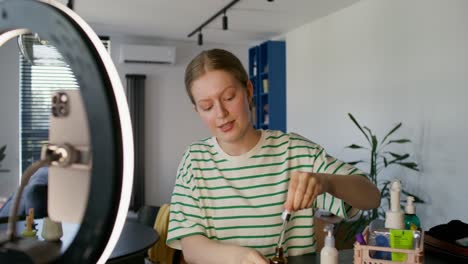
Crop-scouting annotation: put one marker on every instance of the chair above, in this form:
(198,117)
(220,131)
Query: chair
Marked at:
(147,214)
(162,216)
(34,196)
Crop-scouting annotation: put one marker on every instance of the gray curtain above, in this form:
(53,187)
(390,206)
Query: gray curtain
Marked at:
(135,92)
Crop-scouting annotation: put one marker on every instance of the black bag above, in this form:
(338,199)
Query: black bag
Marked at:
(442,239)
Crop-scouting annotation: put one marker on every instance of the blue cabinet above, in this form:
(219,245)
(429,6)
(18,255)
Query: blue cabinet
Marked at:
(267,72)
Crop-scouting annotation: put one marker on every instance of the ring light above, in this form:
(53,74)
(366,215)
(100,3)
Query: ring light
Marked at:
(109,119)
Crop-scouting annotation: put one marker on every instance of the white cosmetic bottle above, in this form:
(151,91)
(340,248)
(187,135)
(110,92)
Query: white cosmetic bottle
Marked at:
(329,254)
(394,218)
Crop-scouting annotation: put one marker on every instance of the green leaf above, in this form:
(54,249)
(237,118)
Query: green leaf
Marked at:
(400,141)
(398,156)
(416,198)
(357,124)
(384,192)
(354,146)
(368,130)
(2,156)
(355,162)
(391,132)
(409,165)
(2,149)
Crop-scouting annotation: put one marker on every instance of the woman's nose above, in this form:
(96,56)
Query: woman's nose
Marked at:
(221,111)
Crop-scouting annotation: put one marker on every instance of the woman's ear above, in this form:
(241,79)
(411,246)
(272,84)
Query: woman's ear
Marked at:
(249,90)
(250,94)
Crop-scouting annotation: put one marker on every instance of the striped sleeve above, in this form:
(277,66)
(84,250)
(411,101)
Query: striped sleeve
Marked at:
(186,217)
(330,165)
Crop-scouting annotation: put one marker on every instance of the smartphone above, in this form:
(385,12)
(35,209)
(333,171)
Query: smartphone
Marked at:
(68,187)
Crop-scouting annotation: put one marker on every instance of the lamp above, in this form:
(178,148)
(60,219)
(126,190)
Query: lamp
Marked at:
(225,21)
(108,120)
(200,38)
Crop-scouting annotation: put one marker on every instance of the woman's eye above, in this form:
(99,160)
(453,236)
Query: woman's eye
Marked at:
(229,98)
(206,108)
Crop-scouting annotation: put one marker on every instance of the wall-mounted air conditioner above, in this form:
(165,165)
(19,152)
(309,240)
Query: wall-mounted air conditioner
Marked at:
(147,54)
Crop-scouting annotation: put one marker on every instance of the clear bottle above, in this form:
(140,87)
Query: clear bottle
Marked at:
(329,254)
(411,219)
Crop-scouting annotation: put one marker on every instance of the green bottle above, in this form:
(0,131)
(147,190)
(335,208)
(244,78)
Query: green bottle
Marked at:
(411,219)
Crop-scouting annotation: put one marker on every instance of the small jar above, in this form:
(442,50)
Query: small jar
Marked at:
(279,257)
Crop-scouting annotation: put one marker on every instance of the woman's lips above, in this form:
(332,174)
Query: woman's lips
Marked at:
(227,126)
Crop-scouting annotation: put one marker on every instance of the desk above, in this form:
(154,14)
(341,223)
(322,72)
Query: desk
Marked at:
(131,247)
(133,243)
(346,257)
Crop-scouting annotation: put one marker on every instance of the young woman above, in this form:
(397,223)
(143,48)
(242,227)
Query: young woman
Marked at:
(231,188)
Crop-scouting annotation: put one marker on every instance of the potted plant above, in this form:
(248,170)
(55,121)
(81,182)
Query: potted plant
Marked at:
(380,158)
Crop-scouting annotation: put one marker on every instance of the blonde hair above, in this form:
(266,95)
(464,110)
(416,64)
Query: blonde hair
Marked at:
(210,60)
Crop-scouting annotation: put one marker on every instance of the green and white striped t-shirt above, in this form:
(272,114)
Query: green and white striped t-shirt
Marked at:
(239,199)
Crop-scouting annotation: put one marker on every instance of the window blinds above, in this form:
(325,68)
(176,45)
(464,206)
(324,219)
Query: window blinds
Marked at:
(37,84)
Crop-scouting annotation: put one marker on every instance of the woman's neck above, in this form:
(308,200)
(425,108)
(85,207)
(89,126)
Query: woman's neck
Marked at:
(244,145)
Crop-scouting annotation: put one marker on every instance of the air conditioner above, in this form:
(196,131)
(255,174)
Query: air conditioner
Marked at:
(147,54)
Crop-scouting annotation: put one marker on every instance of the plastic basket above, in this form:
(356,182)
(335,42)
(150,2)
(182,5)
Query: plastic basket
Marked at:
(362,252)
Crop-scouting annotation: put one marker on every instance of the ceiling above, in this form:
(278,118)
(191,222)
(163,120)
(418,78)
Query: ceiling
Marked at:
(250,21)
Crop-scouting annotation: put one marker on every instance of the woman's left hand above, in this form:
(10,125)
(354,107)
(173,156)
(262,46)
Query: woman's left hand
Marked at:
(303,188)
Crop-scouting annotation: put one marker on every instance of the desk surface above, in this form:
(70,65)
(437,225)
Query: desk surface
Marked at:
(134,239)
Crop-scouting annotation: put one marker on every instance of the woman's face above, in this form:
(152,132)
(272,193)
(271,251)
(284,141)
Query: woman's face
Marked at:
(223,104)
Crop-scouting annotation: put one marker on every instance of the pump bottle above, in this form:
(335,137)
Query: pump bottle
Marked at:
(411,219)
(329,254)
(394,218)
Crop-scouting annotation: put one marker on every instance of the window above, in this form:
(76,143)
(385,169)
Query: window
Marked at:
(37,84)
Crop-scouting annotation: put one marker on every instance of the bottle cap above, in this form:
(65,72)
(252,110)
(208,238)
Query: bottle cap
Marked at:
(409,208)
(329,239)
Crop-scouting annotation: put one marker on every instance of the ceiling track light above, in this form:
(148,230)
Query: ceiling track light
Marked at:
(200,38)
(70,4)
(213,17)
(225,21)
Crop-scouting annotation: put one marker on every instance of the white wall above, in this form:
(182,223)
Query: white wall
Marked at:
(9,116)
(171,123)
(388,61)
